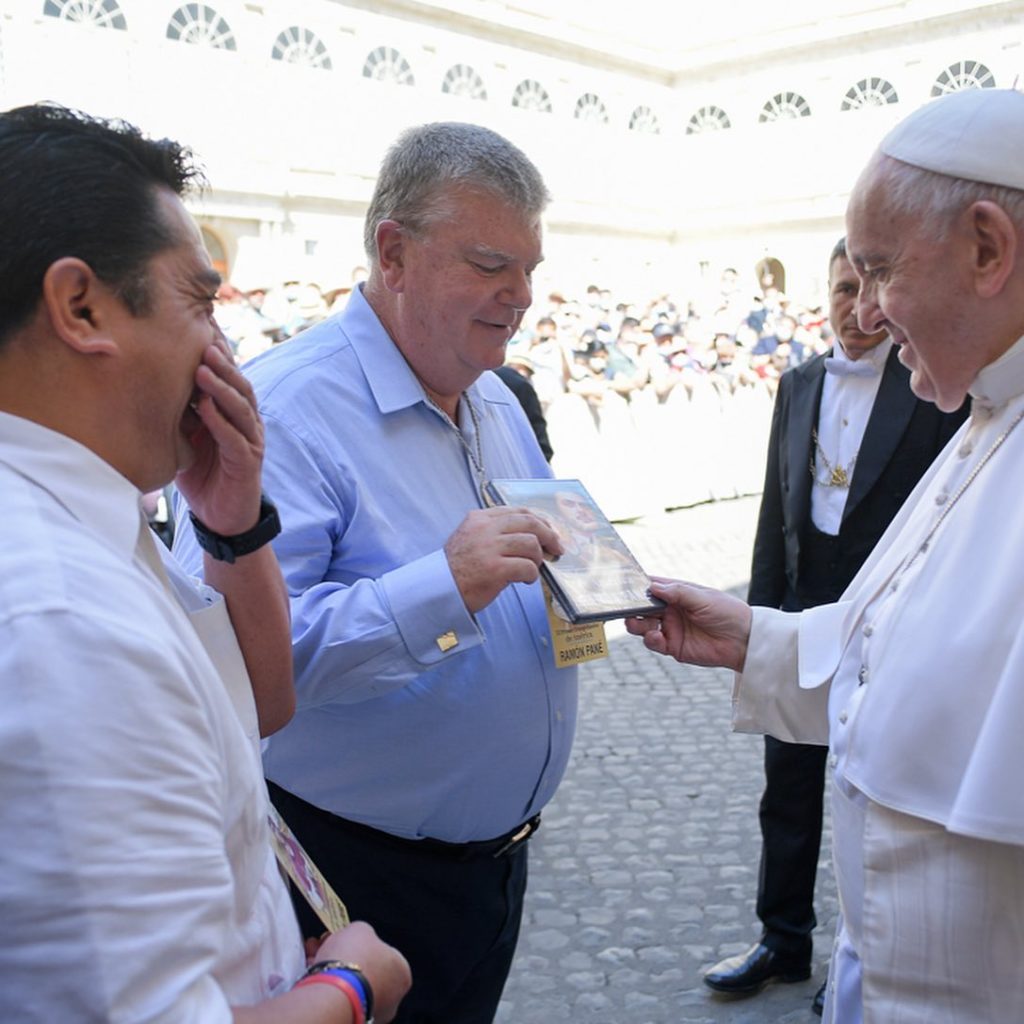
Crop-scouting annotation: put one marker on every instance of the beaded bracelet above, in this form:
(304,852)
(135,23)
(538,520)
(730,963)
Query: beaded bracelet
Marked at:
(353,974)
(344,985)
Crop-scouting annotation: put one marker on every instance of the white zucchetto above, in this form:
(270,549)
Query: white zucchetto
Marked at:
(974,134)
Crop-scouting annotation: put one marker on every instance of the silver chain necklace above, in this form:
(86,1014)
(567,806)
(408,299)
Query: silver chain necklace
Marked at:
(476,458)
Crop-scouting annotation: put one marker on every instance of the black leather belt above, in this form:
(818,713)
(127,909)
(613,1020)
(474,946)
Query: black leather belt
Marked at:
(502,846)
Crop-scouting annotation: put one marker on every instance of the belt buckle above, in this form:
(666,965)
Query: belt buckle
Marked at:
(521,836)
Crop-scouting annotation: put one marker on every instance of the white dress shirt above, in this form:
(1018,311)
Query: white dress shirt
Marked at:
(914,678)
(847,398)
(136,875)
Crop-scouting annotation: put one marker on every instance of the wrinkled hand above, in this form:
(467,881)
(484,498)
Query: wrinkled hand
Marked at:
(493,547)
(384,966)
(698,625)
(222,485)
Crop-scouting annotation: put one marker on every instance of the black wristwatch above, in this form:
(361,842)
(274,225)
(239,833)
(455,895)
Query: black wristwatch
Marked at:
(227,549)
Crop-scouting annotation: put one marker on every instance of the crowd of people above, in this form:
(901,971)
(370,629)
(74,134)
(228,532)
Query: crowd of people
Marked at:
(594,344)
(610,374)
(599,345)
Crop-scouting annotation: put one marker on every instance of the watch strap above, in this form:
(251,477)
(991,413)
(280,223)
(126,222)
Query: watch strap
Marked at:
(227,549)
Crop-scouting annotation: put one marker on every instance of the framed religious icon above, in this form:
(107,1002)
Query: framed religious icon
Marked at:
(596,578)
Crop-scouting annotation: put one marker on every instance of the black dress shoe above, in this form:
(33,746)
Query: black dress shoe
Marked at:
(818,1002)
(750,971)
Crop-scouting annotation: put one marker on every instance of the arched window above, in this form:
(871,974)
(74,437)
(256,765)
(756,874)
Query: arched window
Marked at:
(964,74)
(386,64)
(100,13)
(298,45)
(770,274)
(462,80)
(708,119)
(201,26)
(869,92)
(531,95)
(589,107)
(215,249)
(643,119)
(784,106)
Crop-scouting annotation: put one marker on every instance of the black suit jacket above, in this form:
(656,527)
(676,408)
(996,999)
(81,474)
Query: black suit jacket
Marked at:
(903,436)
(527,395)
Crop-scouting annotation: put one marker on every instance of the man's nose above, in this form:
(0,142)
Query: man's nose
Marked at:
(518,291)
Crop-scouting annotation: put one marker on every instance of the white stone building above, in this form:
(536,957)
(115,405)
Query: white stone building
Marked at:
(677,138)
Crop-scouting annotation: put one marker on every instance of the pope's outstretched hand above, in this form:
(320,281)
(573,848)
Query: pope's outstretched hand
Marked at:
(698,625)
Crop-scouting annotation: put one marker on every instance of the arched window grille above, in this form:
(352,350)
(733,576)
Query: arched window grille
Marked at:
(531,95)
(590,108)
(964,74)
(99,13)
(462,80)
(201,25)
(298,45)
(708,119)
(643,119)
(869,92)
(785,106)
(386,64)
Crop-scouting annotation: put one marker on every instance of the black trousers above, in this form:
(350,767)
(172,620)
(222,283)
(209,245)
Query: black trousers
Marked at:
(791,817)
(794,777)
(456,921)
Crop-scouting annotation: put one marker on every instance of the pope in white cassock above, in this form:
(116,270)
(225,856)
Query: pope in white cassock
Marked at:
(915,677)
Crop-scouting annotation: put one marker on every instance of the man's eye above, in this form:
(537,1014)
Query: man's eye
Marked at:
(486,268)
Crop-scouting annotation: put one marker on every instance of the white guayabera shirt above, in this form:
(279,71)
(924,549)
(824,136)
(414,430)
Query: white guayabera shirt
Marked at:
(136,874)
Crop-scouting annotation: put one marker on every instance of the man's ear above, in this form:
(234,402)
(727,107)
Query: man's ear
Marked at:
(391,240)
(77,304)
(994,247)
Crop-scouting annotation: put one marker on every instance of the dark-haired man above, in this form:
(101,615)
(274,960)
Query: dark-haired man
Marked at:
(136,874)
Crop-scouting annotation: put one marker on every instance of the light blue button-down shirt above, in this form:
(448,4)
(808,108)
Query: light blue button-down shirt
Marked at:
(371,480)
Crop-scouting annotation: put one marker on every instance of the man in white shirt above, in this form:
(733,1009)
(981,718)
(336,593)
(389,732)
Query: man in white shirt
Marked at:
(136,875)
(914,676)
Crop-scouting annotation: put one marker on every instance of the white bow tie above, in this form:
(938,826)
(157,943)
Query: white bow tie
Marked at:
(851,368)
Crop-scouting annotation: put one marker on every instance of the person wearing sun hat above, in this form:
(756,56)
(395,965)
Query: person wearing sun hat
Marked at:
(913,678)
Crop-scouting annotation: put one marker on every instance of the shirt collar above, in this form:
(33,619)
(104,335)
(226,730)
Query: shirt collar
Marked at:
(77,478)
(1002,380)
(874,357)
(393,384)
(391,380)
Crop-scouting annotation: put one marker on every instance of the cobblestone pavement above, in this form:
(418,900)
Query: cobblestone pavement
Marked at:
(644,871)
